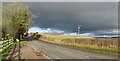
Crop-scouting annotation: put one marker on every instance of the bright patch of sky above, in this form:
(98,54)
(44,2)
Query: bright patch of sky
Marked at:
(61,32)
(45,30)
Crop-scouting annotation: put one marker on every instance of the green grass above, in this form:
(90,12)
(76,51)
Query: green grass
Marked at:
(21,43)
(108,50)
(6,51)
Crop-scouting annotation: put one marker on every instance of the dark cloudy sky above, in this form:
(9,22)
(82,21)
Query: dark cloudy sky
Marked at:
(95,17)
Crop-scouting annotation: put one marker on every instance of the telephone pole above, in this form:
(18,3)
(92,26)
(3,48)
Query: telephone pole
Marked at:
(78,29)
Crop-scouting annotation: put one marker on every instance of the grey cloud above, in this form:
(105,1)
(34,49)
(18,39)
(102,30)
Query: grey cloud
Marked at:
(93,16)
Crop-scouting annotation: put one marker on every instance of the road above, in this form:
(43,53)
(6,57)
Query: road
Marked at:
(60,52)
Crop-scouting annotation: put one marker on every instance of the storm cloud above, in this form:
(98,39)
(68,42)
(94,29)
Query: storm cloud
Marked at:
(93,16)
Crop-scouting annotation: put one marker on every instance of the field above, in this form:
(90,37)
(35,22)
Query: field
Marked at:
(109,45)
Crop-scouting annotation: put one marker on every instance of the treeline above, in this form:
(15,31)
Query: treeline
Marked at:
(16,18)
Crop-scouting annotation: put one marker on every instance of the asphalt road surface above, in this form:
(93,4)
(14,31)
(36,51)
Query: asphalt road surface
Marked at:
(60,52)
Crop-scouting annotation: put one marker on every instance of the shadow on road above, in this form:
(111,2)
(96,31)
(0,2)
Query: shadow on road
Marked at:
(14,54)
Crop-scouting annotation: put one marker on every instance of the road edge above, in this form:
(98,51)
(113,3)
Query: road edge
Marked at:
(38,51)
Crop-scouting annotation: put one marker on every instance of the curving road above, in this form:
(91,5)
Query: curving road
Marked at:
(61,52)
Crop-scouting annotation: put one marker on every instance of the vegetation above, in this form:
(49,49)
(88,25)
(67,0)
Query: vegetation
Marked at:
(16,18)
(63,36)
(6,51)
(109,45)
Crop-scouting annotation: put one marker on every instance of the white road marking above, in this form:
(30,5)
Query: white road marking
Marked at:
(38,51)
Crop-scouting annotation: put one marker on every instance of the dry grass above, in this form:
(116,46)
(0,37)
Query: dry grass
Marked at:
(99,44)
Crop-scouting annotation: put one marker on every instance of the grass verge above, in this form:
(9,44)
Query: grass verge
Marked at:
(102,45)
(102,50)
(6,51)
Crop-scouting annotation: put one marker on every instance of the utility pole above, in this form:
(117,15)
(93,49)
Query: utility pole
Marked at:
(78,29)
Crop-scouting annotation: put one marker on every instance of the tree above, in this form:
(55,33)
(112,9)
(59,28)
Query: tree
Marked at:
(17,18)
